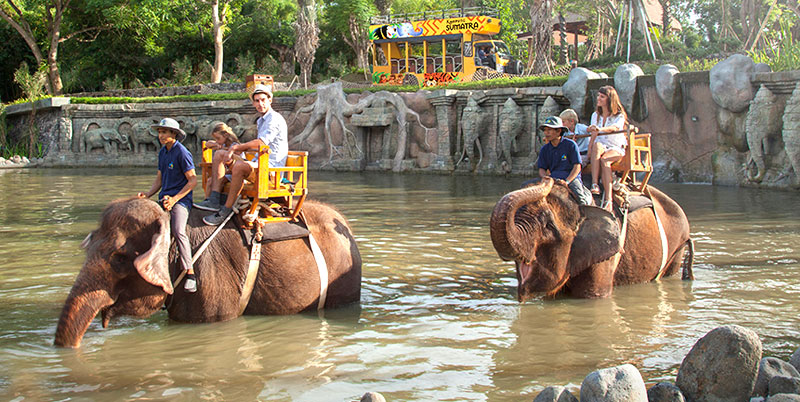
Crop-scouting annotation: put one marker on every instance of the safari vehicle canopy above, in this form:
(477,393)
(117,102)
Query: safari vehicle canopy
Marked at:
(438,47)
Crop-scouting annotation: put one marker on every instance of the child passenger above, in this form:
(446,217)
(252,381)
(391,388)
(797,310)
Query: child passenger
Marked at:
(176,179)
(223,138)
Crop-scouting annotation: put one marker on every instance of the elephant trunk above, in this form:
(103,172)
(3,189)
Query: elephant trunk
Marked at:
(81,307)
(510,240)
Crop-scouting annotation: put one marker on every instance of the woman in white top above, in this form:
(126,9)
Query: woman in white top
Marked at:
(606,149)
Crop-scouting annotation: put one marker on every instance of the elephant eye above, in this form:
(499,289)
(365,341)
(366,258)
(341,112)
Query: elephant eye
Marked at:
(554,229)
(120,261)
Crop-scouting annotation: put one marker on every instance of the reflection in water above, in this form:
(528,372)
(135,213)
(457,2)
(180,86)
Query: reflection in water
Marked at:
(438,318)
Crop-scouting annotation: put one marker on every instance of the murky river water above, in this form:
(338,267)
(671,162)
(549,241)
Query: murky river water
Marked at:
(438,319)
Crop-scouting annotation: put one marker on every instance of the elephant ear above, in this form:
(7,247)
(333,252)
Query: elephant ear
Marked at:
(106,134)
(153,265)
(597,239)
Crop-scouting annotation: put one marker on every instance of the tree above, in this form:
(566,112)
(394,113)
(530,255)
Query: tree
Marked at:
(307,32)
(542,31)
(350,18)
(218,22)
(52,14)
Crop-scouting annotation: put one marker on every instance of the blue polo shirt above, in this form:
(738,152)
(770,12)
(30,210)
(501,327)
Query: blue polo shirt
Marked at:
(173,165)
(559,160)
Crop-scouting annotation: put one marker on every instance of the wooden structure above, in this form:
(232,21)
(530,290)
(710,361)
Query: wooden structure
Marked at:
(638,159)
(278,191)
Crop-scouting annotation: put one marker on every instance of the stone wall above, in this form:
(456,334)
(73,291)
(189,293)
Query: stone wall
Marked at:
(700,133)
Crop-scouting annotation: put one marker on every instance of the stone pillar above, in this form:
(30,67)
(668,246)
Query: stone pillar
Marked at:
(65,130)
(446,126)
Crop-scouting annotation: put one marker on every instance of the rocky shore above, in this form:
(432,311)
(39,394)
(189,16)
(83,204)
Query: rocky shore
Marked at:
(724,365)
(16,162)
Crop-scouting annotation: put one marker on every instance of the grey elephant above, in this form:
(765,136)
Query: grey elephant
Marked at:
(473,124)
(143,134)
(130,269)
(762,123)
(104,138)
(511,121)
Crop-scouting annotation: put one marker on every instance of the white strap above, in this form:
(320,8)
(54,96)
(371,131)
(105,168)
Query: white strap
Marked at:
(323,271)
(250,277)
(664,244)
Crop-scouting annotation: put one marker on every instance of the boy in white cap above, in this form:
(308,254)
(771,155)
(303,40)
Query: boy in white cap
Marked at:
(175,179)
(272,131)
(559,159)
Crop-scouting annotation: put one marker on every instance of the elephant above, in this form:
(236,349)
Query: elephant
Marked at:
(130,268)
(142,133)
(511,123)
(474,122)
(104,138)
(561,247)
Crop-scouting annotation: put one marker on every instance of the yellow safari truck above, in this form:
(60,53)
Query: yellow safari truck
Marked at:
(439,47)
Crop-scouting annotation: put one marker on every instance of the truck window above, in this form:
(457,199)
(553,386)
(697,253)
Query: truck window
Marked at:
(453,60)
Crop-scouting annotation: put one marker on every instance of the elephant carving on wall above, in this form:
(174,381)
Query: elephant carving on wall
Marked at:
(474,122)
(511,122)
(103,138)
(762,123)
(203,133)
(559,246)
(130,269)
(141,134)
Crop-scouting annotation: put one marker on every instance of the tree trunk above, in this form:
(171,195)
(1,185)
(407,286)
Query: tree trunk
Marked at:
(286,58)
(218,24)
(359,41)
(307,33)
(542,32)
(53,74)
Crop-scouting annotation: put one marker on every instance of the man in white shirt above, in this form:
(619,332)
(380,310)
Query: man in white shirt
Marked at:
(273,132)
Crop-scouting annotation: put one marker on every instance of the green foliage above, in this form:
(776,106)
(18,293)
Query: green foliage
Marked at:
(32,84)
(688,64)
(112,83)
(8,151)
(785,56)
(3,125)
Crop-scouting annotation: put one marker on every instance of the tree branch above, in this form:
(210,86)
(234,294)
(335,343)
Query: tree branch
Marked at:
(96,30)
(14,7)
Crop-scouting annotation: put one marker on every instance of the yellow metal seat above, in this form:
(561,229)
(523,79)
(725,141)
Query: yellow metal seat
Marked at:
(285,186)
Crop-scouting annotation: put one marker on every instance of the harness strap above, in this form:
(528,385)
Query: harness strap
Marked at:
(662,234)
(250,278)
(623,231)
(323,271)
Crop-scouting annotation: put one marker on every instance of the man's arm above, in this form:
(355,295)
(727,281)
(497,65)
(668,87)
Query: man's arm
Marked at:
(154,188)
(543,173)
(170,201)
(252,144)
(576,170)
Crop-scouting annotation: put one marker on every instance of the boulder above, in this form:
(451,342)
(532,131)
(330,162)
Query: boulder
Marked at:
(667,87)
(25,160)
(784,398)
(16,159)
(616,384)
(784,385)
(771,367)
(721,366)
(665,392)
(555,394)
(762,68)
(575,88)
(373,397)
(795,359)
(730,83)
(625,83)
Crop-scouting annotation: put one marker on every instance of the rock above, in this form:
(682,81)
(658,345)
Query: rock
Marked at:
(784,398)
(762,68)
(575,88)
(615,384)
(732,126)
(373,397)
(2,159)
(784,385)
(555,394)
(25,160)
(625,83)
(795,359)
(722,365)
(771,367)
(730,85)
(603,75)
(757,399)
(16,159)
(667,87)
(665,392)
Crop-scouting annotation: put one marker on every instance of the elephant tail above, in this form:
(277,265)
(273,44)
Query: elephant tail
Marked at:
(688,261)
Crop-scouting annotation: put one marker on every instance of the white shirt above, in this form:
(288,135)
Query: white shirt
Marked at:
(617,121)
(272,131)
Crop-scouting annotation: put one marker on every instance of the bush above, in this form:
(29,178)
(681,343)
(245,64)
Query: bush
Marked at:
(785,56)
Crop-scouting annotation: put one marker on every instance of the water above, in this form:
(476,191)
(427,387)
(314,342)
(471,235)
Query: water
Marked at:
(438,319)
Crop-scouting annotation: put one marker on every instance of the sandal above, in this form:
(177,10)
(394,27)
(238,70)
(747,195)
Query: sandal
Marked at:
(607,205)
(595,189)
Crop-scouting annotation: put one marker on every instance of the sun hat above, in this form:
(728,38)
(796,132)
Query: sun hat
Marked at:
(552,122)
(261,89)
(171,124)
